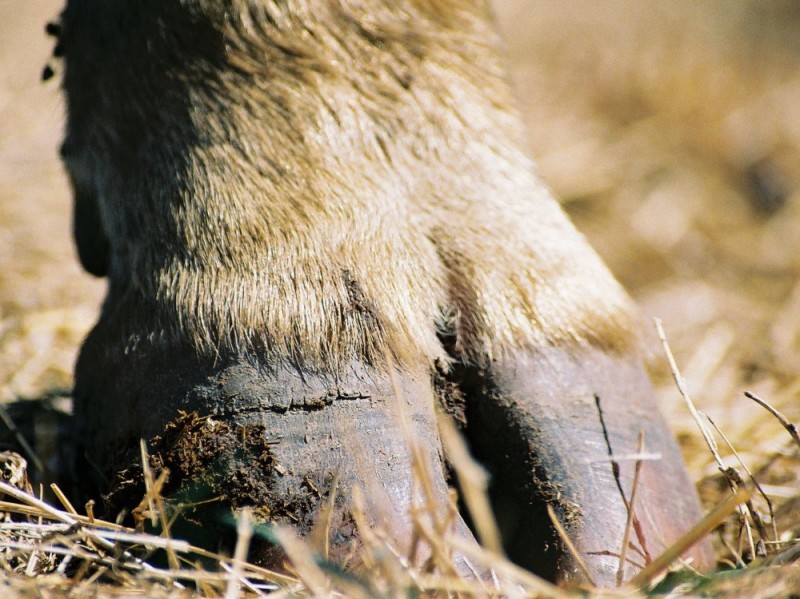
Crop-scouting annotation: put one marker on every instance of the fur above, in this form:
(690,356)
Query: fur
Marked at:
(318,181)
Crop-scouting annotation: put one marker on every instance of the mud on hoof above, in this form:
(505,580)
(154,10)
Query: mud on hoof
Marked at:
(211,469)
(277,444)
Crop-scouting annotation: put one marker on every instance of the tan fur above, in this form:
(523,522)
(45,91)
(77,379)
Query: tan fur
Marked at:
(353,179)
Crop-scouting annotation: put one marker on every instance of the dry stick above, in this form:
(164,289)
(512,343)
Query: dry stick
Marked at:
(153,490)
(326,544)
(790,428)
(81,553)
(419,464)
(707,436)
(421,472)
(734,482)
(369,554)
(24,510)
(510,570)
(793,433)
(148,540)
(155,574)
(451,513)
(90,581)
(477,576)
(89,557)
(744,525)
(730,472)
(416,536)
(62,567)
(734,552)
(434,537)
(302,559)
(242,580)
(637,526)
(365,533)
(681,383)
(474,482)
(713,519)
(73,550)
(118,536)
(423,536)
(148,482)
(631,507)
(34,527)
(89,507)
(32,501)
(439,551)
(128,535)
(33,560)
(401,560)
(252,569)
(52,512)
(244,532)
(373,539)
(63,499)
(431,584)
(570,546)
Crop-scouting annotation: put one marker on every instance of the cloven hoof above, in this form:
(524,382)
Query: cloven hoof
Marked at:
(317,222)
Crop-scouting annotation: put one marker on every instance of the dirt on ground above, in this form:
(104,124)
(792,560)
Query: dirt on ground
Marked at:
(669,130)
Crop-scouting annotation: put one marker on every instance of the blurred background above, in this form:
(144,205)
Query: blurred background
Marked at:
(671,133)
(47,303)
(669,130)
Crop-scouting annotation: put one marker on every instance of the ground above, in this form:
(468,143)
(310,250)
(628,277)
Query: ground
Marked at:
(671,133)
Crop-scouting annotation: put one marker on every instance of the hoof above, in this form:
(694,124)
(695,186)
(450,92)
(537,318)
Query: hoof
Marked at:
(277,441)
(547,424)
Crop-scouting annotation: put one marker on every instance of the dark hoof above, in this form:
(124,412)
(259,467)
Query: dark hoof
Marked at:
(239,435)
(546,423)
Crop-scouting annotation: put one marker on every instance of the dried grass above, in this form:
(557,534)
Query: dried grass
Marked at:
(57,549)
